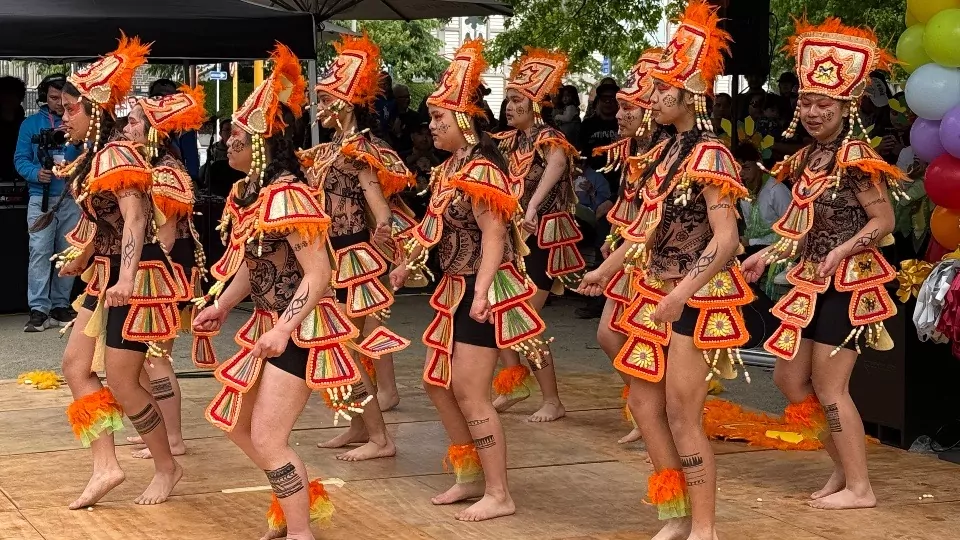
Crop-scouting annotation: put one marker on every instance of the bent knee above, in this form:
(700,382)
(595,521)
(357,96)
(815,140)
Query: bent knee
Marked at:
(682,416)
(266,440)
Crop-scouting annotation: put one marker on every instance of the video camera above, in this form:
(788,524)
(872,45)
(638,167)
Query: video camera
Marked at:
(47,141)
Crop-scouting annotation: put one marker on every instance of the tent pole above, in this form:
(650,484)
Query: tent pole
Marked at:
(314,127)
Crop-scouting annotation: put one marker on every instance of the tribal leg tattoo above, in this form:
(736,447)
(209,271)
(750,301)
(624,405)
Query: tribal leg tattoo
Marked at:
(285,481)
(484,443)
(693,469)
(833,417)
(162,389)
(146,420)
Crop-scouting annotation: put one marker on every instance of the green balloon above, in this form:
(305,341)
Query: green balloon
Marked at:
(941,36)
(910,48)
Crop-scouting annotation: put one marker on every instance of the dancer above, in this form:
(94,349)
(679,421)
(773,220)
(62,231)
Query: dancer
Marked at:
(839,212)
(151,124)
(543,165)
(639,133)
(130,303)
(688,290)
(357,173)
(294,342)
(470,217)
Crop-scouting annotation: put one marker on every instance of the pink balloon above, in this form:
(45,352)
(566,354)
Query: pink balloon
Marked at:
(950,131)
(925,139)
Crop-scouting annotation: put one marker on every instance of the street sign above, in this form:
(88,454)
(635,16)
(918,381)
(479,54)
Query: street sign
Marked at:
(217,75)
(605,67)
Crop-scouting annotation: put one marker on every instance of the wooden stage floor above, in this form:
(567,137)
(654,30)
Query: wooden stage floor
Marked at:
(570,480)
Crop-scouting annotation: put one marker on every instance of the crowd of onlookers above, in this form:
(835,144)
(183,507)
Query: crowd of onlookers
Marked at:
(758,123)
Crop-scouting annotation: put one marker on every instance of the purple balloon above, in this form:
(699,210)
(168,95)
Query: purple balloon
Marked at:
(925,139)
(950,132)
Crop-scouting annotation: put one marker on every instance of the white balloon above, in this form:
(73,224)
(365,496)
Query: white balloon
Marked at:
(933,90)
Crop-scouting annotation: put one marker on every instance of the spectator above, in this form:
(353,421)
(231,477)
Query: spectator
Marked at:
(421,161)
(12,93)
(185,143)
(722,109)
(592,98)
(594,195)
(769,200)
(385,106)
(502,124)
(789,87)
(217,175)
(567,115)
(600,130)
(48,295)
(406,121)
(876,116)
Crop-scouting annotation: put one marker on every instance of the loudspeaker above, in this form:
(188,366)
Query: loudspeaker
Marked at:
(748,22)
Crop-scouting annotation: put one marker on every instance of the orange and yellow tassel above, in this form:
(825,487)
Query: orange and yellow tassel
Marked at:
(321,508)
(513,382)
(667,490)
(465,461)
(807,414)
(94,415)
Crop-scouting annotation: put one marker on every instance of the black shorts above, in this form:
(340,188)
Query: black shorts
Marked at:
(831,324)
(465,328)
(687,323)
(536,265)
(293,361)
(345,241)
(182,254)
(117,316)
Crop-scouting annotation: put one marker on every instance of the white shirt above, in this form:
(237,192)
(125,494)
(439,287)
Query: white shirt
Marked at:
(773,200)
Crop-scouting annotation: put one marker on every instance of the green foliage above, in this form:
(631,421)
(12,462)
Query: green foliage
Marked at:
(226,96)
(419,91)
(618,29)
(410,49)
(886,17)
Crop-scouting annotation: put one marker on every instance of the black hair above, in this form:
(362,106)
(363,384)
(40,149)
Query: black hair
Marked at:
(386,82)
(226,120)
(281,155)
(366,119)
(746,152)
(571,90)
(13,86)
(163,87)
(55,81)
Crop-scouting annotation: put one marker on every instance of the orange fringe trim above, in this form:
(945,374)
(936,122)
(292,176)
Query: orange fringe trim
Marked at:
(501,203)
(666,485)
(808,413)
(471,80)
(321,509)
(510,379)
(286,66)
(84,412)
(188,119)
(625,393)
(726,421)
(878,170)
(465,461)
(391,182)
(120,179)
(173,209)
(833,25)
(308,231)
(367,363)
(560,144)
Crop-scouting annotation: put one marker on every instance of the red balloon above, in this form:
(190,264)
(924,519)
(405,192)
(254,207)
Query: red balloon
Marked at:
(942,182)
(935,252)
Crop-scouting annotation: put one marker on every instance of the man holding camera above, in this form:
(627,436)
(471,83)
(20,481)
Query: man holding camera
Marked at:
(40,146)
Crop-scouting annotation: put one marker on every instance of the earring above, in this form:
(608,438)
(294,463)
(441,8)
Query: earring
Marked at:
(464,122)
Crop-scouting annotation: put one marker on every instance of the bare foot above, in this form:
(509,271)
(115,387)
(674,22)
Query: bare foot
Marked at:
(371,450)
(159,489)
(548,413)
(706,536)
(357,434)
(845,500)
(99,485)
(460,492)
(388,400)
(674,529)
(633,436)
(502,403)
(488,507)
(136,440)
(144,452)
(274,535)
(836,483)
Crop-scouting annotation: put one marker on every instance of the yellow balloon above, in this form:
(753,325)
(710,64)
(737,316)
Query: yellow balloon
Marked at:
(911,19)
(922,10)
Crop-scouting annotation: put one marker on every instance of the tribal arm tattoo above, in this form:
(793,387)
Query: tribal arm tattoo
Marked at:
(704,262)
(721,248)
(285,481)
(135,216)
(296,305)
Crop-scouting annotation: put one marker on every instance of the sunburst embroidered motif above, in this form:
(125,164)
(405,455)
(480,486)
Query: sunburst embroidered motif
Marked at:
(720,285)
(786,340)
(800,306)
(643,356)
(719,325)
(646,316)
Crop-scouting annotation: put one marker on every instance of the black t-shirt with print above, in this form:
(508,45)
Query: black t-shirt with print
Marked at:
(594,133)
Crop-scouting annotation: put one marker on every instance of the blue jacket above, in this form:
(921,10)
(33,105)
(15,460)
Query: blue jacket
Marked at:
(25,159)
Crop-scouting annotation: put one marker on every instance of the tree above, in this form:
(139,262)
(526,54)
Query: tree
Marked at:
(884,16)
(617,29)
(410,49)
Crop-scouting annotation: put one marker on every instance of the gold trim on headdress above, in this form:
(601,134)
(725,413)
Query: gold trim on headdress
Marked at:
(460,83)
(180,112)
(107,81)
(537,75)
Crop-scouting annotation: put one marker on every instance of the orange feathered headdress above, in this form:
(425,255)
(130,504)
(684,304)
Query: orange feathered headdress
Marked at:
(354,75)
(260,114)
(694,56)
(638,87)
(183,111)
(834,59)
(107,81)
(538,74)
(460,83)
